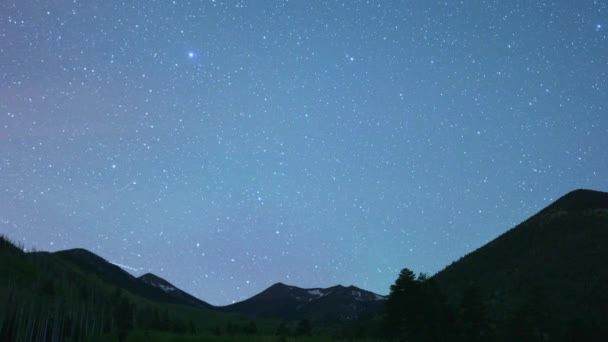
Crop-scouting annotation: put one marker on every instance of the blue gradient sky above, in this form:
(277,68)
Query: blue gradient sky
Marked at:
(229,145)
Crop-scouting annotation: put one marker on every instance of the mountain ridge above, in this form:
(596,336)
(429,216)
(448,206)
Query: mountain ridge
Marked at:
(337,302)
(333,303)
(557,254)
(553,262)
(148,287)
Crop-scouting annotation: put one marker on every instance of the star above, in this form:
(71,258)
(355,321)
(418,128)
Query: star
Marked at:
(273,131)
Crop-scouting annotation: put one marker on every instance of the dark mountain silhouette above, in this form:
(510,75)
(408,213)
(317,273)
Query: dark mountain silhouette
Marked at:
(554,262)
(148,286)
(85,268)
(545,279)
(291,302)
(580,199)
(179,295)
(75,295)
(288,302)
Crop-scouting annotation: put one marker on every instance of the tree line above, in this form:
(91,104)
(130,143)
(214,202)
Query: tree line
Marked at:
(418,311)
(44,299)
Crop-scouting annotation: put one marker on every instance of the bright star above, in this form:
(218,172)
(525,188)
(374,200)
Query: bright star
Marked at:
(598,27)
(191,55)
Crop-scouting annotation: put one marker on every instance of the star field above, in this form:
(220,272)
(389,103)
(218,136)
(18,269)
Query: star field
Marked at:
(229,145)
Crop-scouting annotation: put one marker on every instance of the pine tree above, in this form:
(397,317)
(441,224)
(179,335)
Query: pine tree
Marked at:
(416,309)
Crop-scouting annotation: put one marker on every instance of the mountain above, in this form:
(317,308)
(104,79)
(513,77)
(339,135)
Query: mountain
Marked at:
(580,199)
(327,304)
(168,288)
(148,286)
(75,295)
(546,278)
(282,301)
(554,262)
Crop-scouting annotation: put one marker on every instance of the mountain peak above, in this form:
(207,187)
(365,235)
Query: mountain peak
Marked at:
(156,281)
(86,257)
(337,287)
(333,303)
(554,255)
(580,199)
(151,277)
(79,252)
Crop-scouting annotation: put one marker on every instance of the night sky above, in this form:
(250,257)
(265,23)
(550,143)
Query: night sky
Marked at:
(229,145)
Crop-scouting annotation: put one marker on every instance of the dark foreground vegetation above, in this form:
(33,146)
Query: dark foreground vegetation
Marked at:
(47,297)
(544,280)
(417,310)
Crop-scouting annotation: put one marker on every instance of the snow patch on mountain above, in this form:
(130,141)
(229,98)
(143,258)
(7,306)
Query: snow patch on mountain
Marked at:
(316,292)
(166,288)
(158,283)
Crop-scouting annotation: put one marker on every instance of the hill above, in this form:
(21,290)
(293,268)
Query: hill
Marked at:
(321,304)
(543,280)
(551,265)
(145,286)
(76,295)
(172,291)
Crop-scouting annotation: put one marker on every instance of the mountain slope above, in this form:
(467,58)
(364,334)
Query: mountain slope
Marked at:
(72,296)
(282,301)
(291,302)
(147,286)
(172,291)
(557,257)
